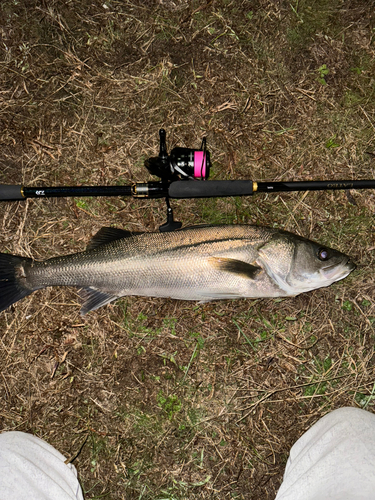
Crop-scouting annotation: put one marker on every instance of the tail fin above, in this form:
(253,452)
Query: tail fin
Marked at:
(12,279)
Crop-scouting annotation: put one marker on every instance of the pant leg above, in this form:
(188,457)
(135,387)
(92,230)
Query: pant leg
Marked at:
(31,469)
(333,460)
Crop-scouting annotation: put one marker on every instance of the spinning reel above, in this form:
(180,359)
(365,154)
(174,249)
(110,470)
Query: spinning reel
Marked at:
(181,164)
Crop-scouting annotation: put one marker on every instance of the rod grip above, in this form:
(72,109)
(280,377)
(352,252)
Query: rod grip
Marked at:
(9,192)
(210,189)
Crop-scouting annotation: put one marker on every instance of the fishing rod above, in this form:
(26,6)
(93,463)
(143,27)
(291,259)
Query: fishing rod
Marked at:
(184,174)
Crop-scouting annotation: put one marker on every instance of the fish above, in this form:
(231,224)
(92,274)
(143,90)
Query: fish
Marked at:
(198,263)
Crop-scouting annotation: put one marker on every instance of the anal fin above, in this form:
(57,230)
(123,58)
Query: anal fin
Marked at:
(93,299)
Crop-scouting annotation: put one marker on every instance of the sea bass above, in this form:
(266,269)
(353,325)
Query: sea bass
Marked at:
(201,263)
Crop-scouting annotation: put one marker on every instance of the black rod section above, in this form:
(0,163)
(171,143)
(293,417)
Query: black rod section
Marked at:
(179,189)
(64,191)
(269,187)
(138,190)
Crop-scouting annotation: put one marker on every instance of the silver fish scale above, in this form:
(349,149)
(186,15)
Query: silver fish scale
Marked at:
(199,263)
(173,264)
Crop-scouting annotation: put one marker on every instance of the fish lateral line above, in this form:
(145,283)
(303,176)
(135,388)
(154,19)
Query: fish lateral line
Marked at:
(108,235)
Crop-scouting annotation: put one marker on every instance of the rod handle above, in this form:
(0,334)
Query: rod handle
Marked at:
(210,189)
(10,192)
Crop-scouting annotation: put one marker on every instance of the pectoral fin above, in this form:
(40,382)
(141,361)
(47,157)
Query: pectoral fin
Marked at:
(235,266)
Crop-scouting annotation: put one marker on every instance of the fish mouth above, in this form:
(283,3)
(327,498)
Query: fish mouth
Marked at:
(339,270)
(350,264)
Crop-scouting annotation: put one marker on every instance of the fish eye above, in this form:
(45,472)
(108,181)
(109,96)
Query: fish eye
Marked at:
(323,254)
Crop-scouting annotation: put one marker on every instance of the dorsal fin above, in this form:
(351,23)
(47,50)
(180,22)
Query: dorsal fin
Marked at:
(106,235)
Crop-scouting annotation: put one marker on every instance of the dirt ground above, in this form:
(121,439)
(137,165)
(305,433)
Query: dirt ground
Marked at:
(155,398)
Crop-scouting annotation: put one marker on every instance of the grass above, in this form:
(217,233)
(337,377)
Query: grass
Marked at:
(158,398)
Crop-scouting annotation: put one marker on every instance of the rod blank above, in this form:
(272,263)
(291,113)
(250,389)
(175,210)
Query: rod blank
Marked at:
(269,187)
(179,189)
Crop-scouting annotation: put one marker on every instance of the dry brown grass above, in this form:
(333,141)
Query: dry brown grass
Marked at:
(165,399)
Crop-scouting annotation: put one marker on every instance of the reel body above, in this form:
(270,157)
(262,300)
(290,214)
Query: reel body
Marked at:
(182,163)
